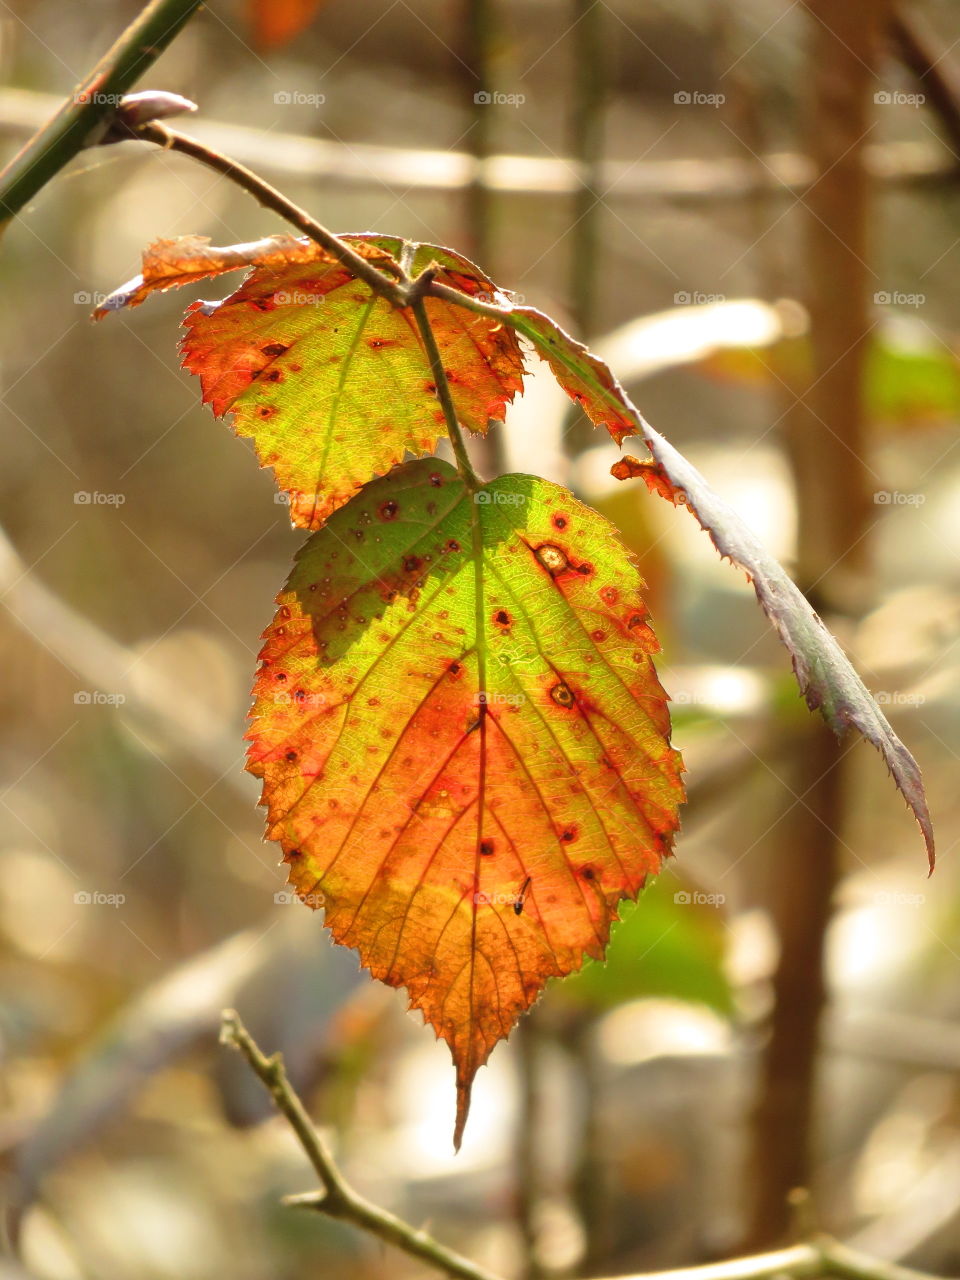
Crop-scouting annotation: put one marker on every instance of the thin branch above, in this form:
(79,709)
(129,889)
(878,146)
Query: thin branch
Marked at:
(93,101)
(271,198)
(464,464)
(338,1199)
(822,1256)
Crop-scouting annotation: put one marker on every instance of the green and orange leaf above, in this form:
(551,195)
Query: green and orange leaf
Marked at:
(329,380)
(463,743)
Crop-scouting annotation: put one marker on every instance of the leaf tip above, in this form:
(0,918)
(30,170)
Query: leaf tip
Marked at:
(464,1089)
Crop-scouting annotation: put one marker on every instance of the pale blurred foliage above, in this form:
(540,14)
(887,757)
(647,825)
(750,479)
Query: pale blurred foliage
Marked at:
(159,1160)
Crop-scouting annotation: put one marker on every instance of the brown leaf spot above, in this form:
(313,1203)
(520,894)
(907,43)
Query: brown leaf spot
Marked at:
(486,848)
(609,595)
(274,349)
(388,510)
(553,559)
(559,522)
(562,695)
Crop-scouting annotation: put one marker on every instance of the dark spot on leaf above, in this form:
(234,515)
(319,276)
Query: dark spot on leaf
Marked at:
(598,635)
(562,695)
(266,410)
(454,668)
(588,873)
(412,563)
(553,559)
(610,595)
(502,618)
(388,510)
(275,349)
(291,755)
(281,675)
(273,375)
(559,522)
(569,834)
(486,848)
(453,545)
(436,479)
(585,568)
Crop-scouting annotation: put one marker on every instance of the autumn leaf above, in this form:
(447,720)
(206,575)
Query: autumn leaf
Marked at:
(168,264)
(329,380)
(332,382)
(277,22)
(463,743)
(584,377)
(824,673)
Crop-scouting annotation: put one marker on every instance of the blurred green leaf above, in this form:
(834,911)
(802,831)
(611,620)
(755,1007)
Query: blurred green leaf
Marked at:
(670,944)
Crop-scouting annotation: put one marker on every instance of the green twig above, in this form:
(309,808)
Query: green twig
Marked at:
(91,103)
(271,198)
(464,465)
(337,1198)
(821,1256)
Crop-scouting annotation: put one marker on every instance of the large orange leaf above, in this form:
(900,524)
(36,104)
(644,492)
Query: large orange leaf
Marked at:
(330,381)
(463,743)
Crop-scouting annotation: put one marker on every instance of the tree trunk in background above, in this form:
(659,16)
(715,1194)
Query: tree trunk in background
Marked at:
(825,433)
